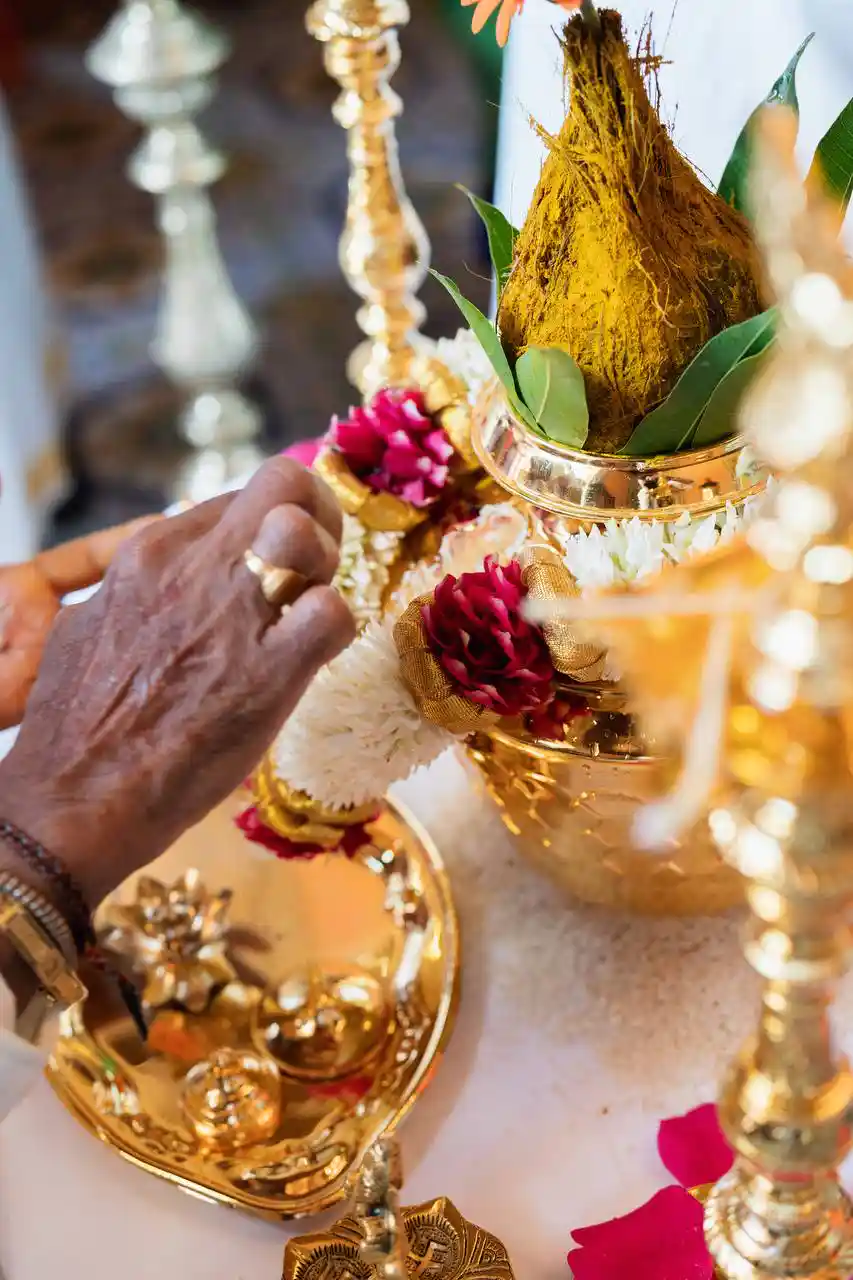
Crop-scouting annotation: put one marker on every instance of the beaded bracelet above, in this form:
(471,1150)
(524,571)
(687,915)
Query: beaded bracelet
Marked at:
(75,910)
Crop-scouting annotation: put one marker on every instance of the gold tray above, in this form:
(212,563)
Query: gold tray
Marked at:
(379,933)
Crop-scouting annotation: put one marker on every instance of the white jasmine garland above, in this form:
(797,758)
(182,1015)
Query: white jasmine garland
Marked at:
(465,358)
(357,729)
(364,567)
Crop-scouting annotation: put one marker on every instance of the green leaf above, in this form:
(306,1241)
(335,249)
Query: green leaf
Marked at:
(734,182)
(552,387)
(669,427)
(501,234)
(833,162)
(720,418)
(486,334)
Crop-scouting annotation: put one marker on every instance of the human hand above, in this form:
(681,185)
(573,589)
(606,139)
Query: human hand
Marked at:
(30,598)
(158,695)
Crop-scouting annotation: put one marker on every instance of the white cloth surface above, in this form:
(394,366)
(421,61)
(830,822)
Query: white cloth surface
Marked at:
(578,1030)
(722,58)
(29,465)
(20,1063)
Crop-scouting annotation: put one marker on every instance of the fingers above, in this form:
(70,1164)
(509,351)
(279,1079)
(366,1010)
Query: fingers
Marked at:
(84,561)
(290,538)
(313,631)
(279,482)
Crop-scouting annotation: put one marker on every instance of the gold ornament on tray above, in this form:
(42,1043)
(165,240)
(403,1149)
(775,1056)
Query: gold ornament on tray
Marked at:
(381,1241)
(268,1096)
(176,936)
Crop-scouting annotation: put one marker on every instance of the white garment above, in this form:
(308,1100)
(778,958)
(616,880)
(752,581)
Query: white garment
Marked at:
(20,1063)
(722,58)
(30,465)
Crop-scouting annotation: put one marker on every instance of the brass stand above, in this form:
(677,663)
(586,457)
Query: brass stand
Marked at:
(788,1101)
(384,251)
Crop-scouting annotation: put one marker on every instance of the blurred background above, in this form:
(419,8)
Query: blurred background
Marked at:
(280,208)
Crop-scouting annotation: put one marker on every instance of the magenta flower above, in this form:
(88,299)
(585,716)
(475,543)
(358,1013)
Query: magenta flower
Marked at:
(663,1239)
(257,832)
(393,446)
(304,451)
(475,630)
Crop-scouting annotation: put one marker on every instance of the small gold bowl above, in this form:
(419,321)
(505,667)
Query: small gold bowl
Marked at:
(590,488)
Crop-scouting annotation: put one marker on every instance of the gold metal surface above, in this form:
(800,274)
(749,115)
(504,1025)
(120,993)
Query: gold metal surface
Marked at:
(381,1241)
(590,488)
(377,934)
(787,825)
(384,251)
(175,937)
(571,808)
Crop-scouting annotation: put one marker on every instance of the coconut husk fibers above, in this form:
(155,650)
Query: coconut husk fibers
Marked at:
(626,258)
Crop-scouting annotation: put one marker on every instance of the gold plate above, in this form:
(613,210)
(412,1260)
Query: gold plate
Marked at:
(344,1000)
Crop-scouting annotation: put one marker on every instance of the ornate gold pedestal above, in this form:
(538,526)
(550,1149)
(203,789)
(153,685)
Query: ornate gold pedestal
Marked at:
(339,1004)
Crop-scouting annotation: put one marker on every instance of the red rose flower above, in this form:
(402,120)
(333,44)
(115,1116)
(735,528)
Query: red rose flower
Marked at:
(393,446)
(475,630)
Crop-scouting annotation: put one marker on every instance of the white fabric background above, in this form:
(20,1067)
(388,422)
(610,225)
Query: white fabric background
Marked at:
(28,420)
(723,56)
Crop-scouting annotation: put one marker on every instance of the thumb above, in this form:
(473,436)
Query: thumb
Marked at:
(84,561)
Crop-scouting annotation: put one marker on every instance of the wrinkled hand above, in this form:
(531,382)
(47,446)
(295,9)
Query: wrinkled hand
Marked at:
(158,695)
(30,599)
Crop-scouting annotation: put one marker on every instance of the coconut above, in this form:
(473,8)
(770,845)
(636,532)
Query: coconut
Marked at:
(626,258)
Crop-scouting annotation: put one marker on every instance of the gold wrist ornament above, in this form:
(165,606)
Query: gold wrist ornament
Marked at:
(59,985)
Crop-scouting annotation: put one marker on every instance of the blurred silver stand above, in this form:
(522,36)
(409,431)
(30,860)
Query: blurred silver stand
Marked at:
(160,59)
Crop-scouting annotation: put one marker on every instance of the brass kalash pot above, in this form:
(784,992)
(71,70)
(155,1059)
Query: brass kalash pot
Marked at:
(571,804)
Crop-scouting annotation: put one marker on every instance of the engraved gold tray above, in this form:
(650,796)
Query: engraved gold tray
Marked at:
(377,934)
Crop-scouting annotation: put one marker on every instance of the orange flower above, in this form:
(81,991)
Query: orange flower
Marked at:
(508,10)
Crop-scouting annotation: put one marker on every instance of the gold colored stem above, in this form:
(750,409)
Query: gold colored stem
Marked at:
(384,251)
(787,1104)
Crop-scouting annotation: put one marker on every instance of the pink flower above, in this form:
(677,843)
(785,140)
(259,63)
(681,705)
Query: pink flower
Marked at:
(662,1240)
(475,630)
(304,451)
(257,832)
(693,1147)
(393,446)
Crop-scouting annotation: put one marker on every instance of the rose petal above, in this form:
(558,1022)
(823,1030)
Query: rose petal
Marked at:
(693,1147)
(662,1240)
(257,832)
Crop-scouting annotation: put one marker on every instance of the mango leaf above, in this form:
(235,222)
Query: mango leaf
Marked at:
(833,162)
(552,387)
(669,427)
(733,185)
(487,336)
(501,234)
(720,418)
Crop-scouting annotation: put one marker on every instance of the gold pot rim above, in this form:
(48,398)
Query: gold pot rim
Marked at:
(546,748)
(593,488)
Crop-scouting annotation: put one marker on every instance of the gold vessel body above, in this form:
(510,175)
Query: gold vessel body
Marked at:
(571,805)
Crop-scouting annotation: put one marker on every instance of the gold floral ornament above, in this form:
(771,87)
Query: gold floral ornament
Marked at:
(388,462)
(177,937)
(547,578)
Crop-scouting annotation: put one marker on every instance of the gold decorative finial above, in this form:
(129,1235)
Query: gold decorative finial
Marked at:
(787,821)
(384,250)
(177,937)
(380,1241)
